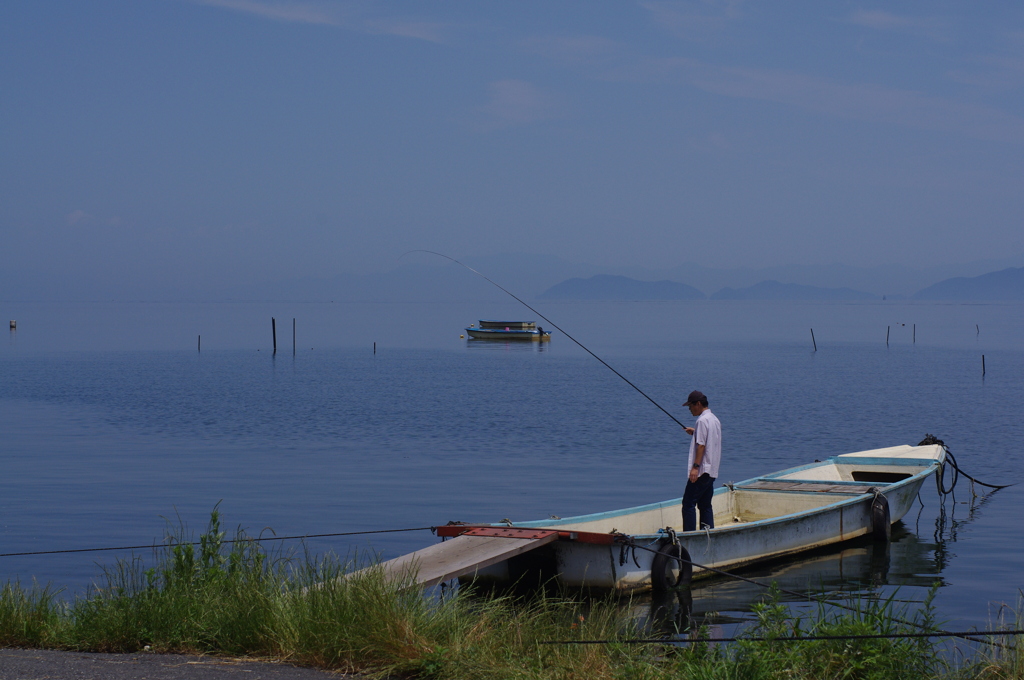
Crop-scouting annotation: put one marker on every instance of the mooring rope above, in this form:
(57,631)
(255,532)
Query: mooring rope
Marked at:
(940,482)
(960,472)
(237,540)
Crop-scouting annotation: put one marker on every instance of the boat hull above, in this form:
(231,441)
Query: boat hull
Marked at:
(820,510)
(501,334)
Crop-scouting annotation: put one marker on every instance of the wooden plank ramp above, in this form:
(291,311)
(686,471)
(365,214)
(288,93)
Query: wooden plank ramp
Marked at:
(465,554)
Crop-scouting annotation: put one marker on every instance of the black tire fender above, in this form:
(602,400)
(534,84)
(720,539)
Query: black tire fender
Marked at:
(664,562)
(881,526)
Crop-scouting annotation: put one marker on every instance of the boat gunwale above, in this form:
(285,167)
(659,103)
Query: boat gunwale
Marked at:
(927,465)
(504,321)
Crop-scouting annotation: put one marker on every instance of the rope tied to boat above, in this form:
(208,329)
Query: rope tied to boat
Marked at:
(707,533)
(673,537)
(932,440)
(626,542)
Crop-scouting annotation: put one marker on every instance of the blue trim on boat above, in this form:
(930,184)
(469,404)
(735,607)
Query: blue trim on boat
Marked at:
(918,462)
(929,465)
(604,515)
(503,321)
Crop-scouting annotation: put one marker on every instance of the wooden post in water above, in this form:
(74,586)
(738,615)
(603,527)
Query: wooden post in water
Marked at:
(814,341)
(273,328)
(374,348)
(887,336)
(915,334)
(199,344)
(977,329)
(982,365)
(293,336)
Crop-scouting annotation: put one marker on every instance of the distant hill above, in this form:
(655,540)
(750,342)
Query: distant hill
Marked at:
(1007,284)
(610,287)
(773,290)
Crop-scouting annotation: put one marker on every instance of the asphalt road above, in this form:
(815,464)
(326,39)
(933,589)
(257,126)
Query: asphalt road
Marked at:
(36,664)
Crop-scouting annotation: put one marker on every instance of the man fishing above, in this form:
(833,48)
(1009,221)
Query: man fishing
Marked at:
(705,454)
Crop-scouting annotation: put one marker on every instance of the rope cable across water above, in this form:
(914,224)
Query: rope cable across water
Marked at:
(791,638)
(239,540)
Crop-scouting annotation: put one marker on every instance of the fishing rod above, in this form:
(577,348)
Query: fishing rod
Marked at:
(556,326)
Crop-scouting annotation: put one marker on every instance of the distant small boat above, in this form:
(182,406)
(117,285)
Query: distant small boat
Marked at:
(508,330)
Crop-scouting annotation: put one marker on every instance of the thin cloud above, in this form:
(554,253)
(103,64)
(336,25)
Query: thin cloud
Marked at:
(303,13)
(517,102)
(857,101)
(885,21)
(75,217)
(341,15)
(407,28)
(992,72)
(693,20)
(582,49)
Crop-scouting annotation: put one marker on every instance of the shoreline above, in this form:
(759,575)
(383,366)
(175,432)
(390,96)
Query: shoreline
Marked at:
(18,664)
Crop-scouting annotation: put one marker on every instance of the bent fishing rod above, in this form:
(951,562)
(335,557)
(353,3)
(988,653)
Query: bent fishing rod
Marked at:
(556,326)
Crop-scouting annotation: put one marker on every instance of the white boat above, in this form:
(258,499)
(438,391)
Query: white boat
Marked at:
(825,502)
(507,330)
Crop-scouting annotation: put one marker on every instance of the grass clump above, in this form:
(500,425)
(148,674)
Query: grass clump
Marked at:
(29,618)
(855,658)
(216,598)
(235,598)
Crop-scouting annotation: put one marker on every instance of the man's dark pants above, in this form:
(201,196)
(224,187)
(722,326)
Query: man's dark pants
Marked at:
(697,496)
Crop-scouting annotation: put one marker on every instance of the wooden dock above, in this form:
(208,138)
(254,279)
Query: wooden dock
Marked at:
(463,555)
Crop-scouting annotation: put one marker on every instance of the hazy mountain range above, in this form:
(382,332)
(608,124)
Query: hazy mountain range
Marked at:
(773,290)
(611,287)
(425,278)
(1007,284)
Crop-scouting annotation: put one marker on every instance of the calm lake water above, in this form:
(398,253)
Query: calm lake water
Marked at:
(112,423)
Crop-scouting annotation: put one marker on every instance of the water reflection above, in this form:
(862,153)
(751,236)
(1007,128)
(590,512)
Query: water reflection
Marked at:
(905,569)
(857,567)
(477,344)
(948,525)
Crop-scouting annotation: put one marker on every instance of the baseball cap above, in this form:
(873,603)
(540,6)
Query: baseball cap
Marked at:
(694,397)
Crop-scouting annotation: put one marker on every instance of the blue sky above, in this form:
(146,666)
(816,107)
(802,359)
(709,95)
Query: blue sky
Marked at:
(240,140)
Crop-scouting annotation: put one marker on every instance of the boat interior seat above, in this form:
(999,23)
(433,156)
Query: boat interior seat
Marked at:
(808,485)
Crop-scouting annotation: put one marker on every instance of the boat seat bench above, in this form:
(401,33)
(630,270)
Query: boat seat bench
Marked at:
(853,489)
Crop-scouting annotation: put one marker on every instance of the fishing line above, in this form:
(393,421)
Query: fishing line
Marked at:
(556,326)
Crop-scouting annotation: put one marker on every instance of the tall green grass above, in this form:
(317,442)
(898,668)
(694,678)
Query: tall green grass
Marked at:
(239,599)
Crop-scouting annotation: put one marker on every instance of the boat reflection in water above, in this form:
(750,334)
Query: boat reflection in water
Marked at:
(861,567)
(506,346)
(905,569)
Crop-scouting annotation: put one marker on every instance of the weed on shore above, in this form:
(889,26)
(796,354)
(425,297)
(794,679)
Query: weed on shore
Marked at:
(234,597)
